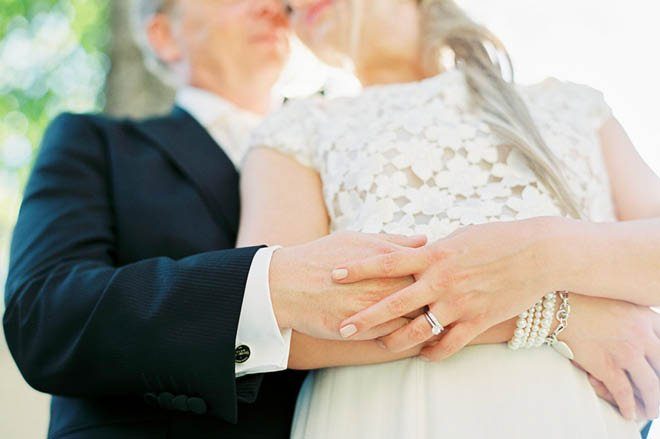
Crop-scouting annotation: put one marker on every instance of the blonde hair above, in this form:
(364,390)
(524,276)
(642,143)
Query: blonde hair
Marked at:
(486,62)
(141,12)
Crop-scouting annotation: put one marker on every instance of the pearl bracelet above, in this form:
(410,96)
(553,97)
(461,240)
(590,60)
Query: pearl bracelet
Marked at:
(533,325)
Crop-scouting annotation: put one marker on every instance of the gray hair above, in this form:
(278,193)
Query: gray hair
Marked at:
(486,63)
(141,12)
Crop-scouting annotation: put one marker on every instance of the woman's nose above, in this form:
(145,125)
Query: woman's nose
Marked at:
(272,7)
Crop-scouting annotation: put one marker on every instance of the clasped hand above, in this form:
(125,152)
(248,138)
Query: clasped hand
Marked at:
(484,275)
(471,281)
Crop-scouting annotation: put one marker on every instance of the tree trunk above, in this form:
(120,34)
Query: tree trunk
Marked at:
(131,90)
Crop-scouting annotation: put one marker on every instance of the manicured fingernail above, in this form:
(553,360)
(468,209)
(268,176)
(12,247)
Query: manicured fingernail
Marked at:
(348,330)
(381,344)
(340,274)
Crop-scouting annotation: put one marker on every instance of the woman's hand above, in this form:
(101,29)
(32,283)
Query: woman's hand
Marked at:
(618,344)
(474,279)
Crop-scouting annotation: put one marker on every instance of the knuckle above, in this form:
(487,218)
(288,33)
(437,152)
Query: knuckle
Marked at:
(441,282)
(628,354)
(362,324)
(385,248)
(394,346)
(388,342)
(433,354)
(395,306)
(437,253)
(329,323)
(459,302)
(388,263)
(611,365)
(638,330)
(480,318)
(417,333)
(450,345)
(369,297)
(620,390)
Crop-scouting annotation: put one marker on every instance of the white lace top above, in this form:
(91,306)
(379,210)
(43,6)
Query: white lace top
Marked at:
(416,158)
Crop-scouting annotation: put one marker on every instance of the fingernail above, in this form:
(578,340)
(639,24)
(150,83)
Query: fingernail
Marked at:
(348,330)
(381,344)
(340,274)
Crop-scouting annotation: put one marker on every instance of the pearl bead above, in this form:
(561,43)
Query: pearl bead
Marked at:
(547,313)
(539,307)
(524,315)
(521,324)
(519,332)
(551,296)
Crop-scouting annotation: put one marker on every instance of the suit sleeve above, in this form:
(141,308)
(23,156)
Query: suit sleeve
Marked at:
(78,325)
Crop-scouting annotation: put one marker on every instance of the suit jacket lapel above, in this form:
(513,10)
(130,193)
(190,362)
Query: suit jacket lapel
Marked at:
(190,147)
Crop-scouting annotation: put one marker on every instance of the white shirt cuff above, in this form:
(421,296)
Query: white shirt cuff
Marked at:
(257,326)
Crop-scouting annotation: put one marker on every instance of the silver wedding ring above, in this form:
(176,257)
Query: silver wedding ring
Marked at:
(436,327)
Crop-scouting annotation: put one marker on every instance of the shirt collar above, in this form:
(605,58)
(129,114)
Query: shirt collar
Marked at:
(207,107)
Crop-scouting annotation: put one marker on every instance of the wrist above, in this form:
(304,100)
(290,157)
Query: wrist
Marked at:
(500,333)
(561,251)
(281,295)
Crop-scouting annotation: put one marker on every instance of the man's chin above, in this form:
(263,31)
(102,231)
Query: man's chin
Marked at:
(273,51)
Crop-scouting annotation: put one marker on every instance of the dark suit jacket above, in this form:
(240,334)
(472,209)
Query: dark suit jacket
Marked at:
(124,290)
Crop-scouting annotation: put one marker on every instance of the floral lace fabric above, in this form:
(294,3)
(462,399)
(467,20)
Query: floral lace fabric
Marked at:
(418,158)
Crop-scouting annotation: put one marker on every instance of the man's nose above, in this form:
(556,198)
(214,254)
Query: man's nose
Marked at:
(300,3)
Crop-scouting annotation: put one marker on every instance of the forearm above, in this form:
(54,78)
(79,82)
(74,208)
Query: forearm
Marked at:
(613,260)
(311,353)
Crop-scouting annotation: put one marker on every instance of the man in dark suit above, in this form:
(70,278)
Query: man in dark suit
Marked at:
(125,298)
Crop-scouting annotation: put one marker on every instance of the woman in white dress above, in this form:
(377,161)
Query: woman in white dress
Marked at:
(432,147)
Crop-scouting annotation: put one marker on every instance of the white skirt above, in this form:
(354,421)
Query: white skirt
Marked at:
(482,392)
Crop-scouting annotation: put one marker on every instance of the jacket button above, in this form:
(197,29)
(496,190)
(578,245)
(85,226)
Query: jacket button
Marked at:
(181,403)
(197,405)
(242,354)
(151,399)
(165,400)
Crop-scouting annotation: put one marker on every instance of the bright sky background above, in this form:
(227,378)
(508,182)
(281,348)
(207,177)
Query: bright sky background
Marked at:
(611,45)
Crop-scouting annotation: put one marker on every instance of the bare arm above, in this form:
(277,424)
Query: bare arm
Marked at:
(619,260)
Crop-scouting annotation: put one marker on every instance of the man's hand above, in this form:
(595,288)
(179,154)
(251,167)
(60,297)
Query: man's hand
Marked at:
(618,344)
(306,299)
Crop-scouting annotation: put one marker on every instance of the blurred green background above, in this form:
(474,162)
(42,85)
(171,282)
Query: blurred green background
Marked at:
(58,55)
(55,56)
